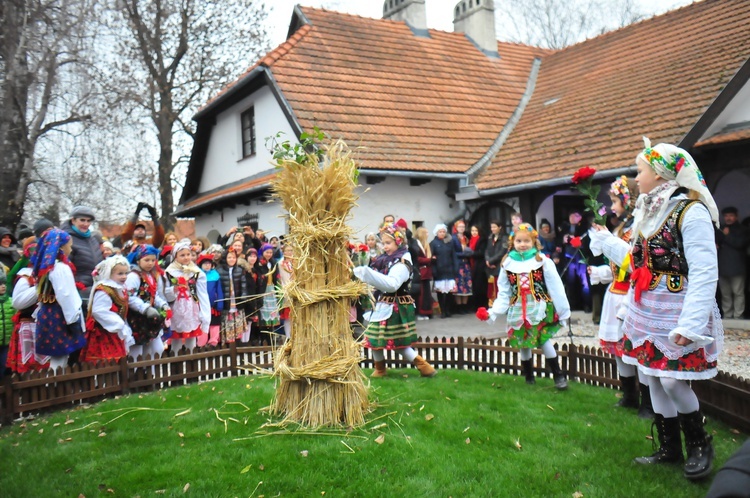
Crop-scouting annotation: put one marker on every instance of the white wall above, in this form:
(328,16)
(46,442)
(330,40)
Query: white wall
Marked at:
(738,111)
(427,203)
(224,162)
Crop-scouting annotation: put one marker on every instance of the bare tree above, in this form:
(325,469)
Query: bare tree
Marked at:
(172,56)
(42,43)
(559,23)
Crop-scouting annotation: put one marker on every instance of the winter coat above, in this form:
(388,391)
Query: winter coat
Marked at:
(444,259)
(86,254)
(240,286)
(496,249)
(732,250)
(422,265)
(9,255)
(6,321)
(215,296)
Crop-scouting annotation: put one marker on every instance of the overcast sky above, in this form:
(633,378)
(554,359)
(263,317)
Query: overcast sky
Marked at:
(439,12)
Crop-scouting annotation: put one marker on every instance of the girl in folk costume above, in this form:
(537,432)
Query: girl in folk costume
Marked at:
(268,268)
(108,335)
(672,328)
(286,273)
(59,321)
(22,355)
(148,306)
(254,282)
(463,278)
(623,193)
(232,279)
(391,324)
(532,294)
(191,309)
(215,297)
(422,271)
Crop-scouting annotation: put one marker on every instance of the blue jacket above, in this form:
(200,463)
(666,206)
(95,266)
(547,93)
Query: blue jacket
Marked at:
(215,295)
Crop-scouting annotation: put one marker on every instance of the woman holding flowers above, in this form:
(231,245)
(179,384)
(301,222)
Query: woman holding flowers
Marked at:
(672,327)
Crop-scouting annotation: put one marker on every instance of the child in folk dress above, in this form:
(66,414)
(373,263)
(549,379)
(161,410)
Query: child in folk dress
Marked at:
(146,299)
(391,325)
(191,309)
(531,293)
(286,274)
(623,193)
(672,326)
(232,278)
(268,268)
(108,335)
(215,297)
(254,287)
(59,327)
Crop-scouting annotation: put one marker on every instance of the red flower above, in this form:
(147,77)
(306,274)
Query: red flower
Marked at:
(482,314)
(363,248)
(575,242)
(182,281)
(80,286)
(583,174)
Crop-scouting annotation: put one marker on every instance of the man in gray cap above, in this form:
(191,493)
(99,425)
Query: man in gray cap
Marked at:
(86,253)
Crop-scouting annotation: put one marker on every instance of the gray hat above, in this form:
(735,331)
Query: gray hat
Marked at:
(79,211)
(41,225)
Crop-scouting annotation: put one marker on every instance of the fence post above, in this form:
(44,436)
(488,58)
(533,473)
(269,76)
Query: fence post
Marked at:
(7,417)
(572,361)
(460,356)
(233,358)
(124,380)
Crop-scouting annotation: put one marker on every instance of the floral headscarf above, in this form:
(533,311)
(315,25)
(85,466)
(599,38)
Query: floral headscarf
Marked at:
(140,251)
(49,251)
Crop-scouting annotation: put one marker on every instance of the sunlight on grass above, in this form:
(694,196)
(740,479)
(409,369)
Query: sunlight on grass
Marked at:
(458,434)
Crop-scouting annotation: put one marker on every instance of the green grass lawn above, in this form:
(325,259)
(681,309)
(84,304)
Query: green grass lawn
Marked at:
(458,434)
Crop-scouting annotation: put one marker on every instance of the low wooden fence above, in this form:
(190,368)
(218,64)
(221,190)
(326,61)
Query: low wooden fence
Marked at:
(725,397)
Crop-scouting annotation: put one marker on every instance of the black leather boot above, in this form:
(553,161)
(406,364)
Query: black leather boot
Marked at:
(670,442)
(561,382)
(528,371)
(442,304)
(629,393)
(700,452)
(646,410)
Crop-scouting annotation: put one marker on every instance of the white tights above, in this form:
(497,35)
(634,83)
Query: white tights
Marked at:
(58,361)
(189,344)
(408,353)
(547,349)
(672,396)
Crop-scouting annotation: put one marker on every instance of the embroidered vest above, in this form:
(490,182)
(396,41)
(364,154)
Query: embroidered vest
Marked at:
(664,253)
(119,302)
(146,292)
(536,285)
(402,293)
(191,283)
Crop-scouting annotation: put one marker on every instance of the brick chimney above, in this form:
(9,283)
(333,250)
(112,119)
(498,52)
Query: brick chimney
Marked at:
(476,19)
(411,11)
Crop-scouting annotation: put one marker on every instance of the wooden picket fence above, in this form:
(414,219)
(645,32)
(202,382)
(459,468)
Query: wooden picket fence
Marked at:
(726,397)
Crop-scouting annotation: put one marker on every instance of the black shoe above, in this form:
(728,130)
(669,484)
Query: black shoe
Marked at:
(629,394)
(670,442)
(528,371)
(561,383)
(700,451)
(645,411)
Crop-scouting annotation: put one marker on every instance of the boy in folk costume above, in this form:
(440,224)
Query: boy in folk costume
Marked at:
(623,193)
(215,297)
(59,326)
(391,325)
(532,294)
(191,309)
(108,335)
(672,327)
(22,355)
(148,307)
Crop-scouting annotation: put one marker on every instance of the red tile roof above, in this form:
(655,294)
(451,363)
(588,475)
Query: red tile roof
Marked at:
(726,137)
(232,191)
(411,103)
(593,101)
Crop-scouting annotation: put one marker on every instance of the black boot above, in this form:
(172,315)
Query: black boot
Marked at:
(629,394)
(646,410)
(441,303)
(670,442)
(448,300)
(528,371)
(557,373)
(700,452)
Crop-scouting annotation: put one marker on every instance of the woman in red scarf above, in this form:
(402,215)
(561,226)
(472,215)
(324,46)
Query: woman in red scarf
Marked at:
(477,245)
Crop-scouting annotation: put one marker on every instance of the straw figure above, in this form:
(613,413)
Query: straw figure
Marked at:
(320,382)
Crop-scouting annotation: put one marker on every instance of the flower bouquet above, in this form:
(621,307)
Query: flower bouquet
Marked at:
(360,254)
(583,182)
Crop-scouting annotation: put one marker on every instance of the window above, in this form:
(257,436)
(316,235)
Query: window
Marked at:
(248,132)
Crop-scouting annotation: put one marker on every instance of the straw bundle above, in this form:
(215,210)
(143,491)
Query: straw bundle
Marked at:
(320,382)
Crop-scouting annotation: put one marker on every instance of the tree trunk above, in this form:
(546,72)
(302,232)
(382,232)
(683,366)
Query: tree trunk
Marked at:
(164,124)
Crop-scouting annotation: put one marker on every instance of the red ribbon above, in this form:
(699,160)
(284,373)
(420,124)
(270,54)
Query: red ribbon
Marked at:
(524,292)
(641,279)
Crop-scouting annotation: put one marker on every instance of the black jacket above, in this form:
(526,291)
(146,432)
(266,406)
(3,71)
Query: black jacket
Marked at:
(238,278)
(496,249)
(86,254)
(732,250)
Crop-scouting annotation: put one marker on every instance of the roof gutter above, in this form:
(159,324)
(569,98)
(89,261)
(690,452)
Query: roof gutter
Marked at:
(411,174)
(473,193)
(181,211)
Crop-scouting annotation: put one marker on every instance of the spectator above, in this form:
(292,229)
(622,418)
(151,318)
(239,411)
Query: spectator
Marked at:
(547,238)
(576,272)
(463,279)
(732,240)
(421,257)
(107,249)
(478,246)
(497,246)
(374,250)
(170,239)
(444,268)
(86,253)
(515,220)
(136,231)
(40,226)
(9,254)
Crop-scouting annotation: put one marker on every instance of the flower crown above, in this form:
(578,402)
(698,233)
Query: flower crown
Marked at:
(621,190)
(525,227)
(393,231)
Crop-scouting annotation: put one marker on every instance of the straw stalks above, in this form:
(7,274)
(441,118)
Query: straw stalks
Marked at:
(320,382)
